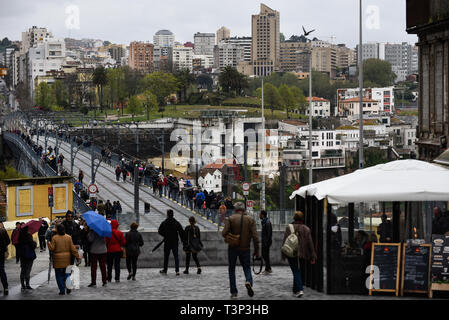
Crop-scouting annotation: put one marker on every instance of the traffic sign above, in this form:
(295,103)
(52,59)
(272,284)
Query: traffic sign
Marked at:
(249,203)
(245,186)
(93,188)
(245,193)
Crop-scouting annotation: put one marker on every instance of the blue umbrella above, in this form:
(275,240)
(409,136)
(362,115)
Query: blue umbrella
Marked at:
(98,223)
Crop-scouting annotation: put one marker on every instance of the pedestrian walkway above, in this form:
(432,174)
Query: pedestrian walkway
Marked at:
(212,284)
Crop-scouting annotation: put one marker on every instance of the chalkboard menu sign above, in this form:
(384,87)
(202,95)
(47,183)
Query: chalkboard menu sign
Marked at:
(440,259)
(416,268)
(385,258)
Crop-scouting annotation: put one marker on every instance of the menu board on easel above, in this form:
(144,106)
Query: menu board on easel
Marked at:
(416,261)
(386,258)
(440,264)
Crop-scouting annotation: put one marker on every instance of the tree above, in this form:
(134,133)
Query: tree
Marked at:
(301,100)
(99,79)
(134,106)
(43,96)
(377,73)
(232,81)
(149,101)
(271,96)
(288,99)
(23,95)
(59,93)
(205,81)
(161,84)
(185,79)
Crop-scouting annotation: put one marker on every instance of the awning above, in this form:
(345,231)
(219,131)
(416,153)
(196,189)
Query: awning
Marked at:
(401,180)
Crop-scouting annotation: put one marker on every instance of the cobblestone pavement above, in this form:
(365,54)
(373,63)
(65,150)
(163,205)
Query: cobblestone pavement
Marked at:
(212,284)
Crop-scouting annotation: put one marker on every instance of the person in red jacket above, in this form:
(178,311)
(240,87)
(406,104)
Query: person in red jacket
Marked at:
(114,254)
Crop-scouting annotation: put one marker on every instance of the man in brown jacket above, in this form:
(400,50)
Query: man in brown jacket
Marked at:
(306,250)
(247,231)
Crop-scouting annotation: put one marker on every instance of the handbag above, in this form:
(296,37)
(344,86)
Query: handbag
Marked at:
(233,240)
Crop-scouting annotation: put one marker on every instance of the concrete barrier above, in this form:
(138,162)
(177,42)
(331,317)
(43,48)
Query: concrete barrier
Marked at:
(215,252)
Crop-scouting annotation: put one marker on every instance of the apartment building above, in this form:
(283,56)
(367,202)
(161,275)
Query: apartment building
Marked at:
(222,34)
(289,55)
(164,38)
(182,58)
(204,43)
(141,56)
(34,36)
(265,50)
(384,96)
(320,107)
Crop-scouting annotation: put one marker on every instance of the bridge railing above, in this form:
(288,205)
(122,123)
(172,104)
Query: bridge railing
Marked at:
(78,204)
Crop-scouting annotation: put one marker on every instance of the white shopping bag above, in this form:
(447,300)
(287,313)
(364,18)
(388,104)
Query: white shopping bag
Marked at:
(75,277)
(68,281)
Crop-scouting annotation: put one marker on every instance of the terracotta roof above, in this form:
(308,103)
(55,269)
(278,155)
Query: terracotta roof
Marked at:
(357,99)
(318,99)
(219,164)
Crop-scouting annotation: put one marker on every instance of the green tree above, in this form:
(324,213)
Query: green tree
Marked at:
(272,97)
(288,99)
(59,93)
(377,73)
(43,96)
(161,84)
(134,106)
(99,79)
(185,79)
(232,82)
(301,101)
(149,102)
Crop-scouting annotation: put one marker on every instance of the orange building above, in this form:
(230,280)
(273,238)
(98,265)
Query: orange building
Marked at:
(141,56)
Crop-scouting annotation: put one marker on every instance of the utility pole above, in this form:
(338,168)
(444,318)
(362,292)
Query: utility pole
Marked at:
(92,170)
(245,155)
(163,151)
(137,139)
(310,120)
(361,93)
(262,194)
(71,156)
(118,133)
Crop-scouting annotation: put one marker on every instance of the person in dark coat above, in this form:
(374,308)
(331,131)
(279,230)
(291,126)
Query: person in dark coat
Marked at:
(27,256)
(41,234)
(170,229)
(267,235)
(385,230)
(4,242)
(134,241)
(85,244)
(15,241)
(193,244)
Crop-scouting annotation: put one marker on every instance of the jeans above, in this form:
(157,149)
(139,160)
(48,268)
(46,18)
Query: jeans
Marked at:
(3,277)
(101,258)
(174,249)
(114,259)
(42,243)
(61,277)
(195,258)
(131,264)
(245,261)
(266,257)
(297,281)
(117,177)
(25,271)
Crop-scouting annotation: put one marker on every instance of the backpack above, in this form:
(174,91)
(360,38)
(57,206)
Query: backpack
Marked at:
(291,245)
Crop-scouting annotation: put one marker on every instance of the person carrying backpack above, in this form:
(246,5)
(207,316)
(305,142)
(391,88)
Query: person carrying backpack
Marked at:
(298,245)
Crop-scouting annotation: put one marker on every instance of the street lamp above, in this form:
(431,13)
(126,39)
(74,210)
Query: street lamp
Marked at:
(360,93)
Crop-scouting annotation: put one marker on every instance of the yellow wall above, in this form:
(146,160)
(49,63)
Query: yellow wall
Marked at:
(62,200)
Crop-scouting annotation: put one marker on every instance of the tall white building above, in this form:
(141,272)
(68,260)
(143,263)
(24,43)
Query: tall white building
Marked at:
(230,54)
(204,43)
(182,58)
(34,36)
(244,43)
(164,38)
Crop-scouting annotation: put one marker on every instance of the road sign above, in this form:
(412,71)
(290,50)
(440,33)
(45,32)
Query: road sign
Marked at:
(93,188)
(245,193)
(245,186)
(249,203)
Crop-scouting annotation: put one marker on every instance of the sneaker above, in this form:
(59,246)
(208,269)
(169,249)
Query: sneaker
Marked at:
(129,277)
(177,273)
(134,278)
(105,284)
(186,272)
(69,291)
(198,271)
(163,271)
(249,288)
(299,294)
(28,287)
(5,292)
(62,293)
(234,296)
(92,285)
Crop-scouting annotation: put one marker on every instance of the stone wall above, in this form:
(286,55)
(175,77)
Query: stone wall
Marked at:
(213,254)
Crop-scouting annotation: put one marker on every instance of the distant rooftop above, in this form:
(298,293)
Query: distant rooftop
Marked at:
(164,33)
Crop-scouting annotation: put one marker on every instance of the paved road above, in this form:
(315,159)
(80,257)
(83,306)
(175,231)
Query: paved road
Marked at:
(110,189)
(212,284)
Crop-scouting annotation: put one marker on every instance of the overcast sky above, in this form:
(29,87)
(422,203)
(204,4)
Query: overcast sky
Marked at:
(138,20)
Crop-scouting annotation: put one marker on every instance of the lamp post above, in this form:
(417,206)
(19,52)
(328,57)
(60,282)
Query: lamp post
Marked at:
(262,193)
(360,92)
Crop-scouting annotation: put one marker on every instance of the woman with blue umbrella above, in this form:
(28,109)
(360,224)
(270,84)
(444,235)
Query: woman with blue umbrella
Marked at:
(98,228)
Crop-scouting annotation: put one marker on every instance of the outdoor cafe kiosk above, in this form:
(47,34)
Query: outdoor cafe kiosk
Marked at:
(415,261)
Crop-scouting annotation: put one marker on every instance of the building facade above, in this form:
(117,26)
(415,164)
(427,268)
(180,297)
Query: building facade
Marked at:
(182,58)
(320,107)
(204,43)
(222,34)
(384,96)
(265,50)
(164,38)
(141,56)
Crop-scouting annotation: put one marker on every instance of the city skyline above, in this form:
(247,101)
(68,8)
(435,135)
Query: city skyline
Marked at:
(133,24)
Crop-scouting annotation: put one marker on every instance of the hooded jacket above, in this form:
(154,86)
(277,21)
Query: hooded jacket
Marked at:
(117,240)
